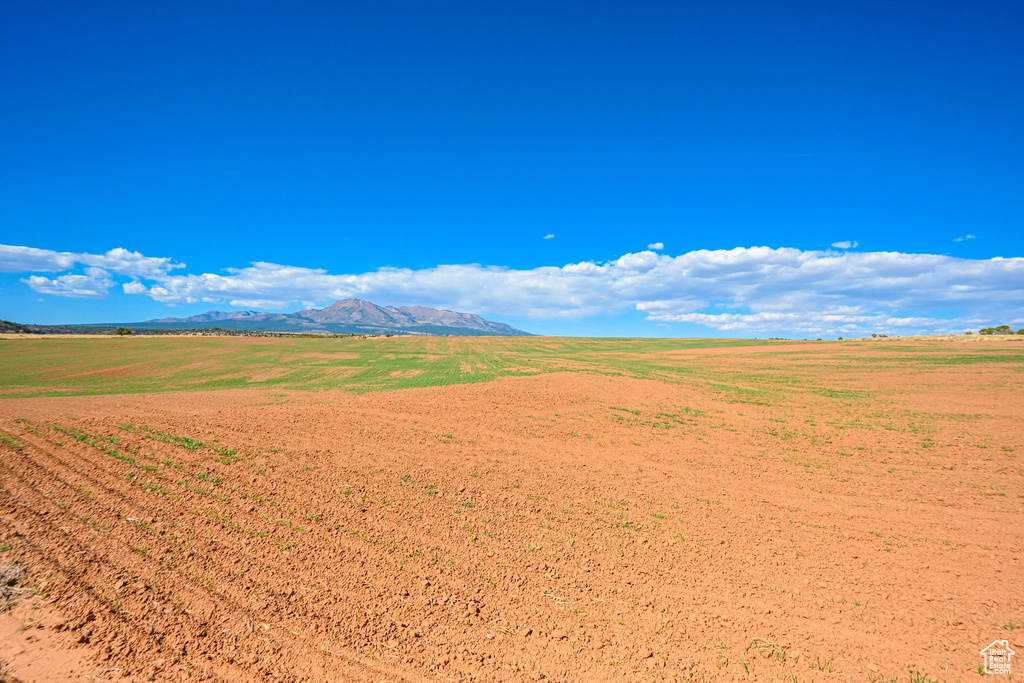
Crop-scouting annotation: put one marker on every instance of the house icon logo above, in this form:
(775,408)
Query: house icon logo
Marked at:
(997,657)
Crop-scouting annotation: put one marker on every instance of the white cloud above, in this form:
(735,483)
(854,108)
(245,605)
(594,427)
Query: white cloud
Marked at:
(121,261)
(28,260)
(131,263)
(746,290)
(845,245)
(95,284)
(549,236)
(780,289)
(656,246)
(816,322)
(965,237)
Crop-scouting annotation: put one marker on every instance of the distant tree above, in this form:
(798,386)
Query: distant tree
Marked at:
(122,331)
(8,326)
(873,334)
(840,339)
(968,332)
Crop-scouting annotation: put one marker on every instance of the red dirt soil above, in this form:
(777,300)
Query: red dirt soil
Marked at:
(560,527)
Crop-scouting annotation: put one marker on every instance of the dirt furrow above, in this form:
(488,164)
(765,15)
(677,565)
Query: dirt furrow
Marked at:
(567,527)
(109,560)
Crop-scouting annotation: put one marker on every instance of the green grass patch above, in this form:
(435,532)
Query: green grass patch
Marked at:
(87,366)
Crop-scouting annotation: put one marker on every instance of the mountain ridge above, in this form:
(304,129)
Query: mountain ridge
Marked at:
(353,315)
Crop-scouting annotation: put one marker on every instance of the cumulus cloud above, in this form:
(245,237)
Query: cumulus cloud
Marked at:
(766,289)
(95,284)
(656,246)
(96,281)
(131,263)
(965,237)
(848,244)
(27,259)
(549,236)
(748,290)
(15,259)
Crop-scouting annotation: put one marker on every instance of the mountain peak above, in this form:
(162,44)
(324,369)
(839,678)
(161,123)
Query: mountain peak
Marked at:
(355,315)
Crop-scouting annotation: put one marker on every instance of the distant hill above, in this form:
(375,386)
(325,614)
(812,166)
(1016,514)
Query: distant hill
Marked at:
(346,316)
(8,327)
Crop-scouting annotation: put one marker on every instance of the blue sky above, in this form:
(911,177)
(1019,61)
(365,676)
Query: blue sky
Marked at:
(442,142)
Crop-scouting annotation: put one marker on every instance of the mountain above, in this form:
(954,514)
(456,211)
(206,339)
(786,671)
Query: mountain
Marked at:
(218,316)
(358,311)
(345,316)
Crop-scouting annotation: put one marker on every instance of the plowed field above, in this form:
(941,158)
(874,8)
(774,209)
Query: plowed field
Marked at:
(766,512)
